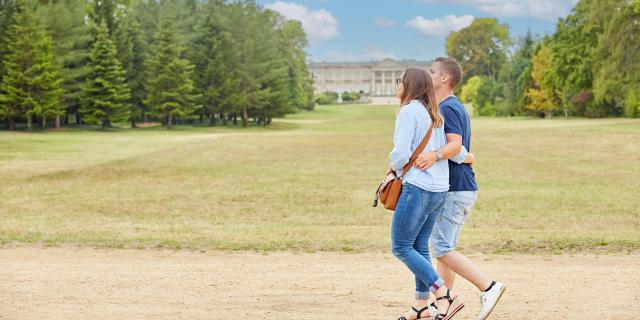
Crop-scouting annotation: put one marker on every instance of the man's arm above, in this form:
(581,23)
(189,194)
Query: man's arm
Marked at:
(449,150)
(463,157)
(453,128)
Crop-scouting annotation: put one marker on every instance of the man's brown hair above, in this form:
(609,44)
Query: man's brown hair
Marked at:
(451,67)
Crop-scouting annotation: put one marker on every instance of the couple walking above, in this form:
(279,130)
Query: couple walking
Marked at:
(438,192)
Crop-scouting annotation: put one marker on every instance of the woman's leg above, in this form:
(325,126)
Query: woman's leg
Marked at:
(422,246)
(433,207)
(409,220)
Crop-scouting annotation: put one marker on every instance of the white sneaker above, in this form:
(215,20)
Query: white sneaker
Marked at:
(489,299)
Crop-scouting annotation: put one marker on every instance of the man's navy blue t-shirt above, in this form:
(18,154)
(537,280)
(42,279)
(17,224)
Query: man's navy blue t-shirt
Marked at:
(456,120)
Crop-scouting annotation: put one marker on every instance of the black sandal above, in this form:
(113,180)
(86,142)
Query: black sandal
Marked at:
(418,313)
(450,313)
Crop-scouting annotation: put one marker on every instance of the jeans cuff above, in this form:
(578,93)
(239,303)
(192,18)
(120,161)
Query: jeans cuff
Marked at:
(423,295)
(436,285)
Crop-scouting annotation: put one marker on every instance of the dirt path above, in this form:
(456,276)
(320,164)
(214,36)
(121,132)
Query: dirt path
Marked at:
(81,283)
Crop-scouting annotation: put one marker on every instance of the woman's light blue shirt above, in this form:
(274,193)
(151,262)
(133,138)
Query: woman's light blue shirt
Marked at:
(412,125)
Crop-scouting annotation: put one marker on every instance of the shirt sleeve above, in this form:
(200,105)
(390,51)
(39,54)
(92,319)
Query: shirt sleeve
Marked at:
(461,156)
(402,138)
(452,122)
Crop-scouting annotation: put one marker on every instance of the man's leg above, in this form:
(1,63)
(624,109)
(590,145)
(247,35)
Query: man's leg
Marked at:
(444,241)
(454,262)
(457,209)
(446,274)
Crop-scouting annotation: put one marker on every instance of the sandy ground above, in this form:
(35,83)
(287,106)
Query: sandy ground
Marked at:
(82,283)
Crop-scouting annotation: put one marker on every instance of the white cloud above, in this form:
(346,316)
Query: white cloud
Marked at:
(319,25)
(540,9)
(384,23)
(374,54)
(440,27)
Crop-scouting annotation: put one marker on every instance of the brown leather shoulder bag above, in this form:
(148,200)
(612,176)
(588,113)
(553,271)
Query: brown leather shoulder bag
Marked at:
(389,190)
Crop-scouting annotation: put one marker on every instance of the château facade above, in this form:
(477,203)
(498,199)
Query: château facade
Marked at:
(376,78)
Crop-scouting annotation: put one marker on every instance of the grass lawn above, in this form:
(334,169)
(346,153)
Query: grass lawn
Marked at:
(307,183)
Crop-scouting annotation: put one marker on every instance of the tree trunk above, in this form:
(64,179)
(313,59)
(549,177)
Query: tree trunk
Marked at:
(245,117)
(44,122)
(105,124)
(269,120)
(133,122)
(235,119)
(169,120)
(146,117)
(224,118)
(29,123)
(57,121)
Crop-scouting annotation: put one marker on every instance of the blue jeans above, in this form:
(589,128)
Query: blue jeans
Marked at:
(411,227)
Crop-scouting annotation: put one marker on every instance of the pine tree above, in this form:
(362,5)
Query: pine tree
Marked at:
(212,52)
(293,45)
(8,14)
(65,21)
(106,93)
(279,72)
(131,53)
(31,85)
(104,11)
(249,31)
(170,88)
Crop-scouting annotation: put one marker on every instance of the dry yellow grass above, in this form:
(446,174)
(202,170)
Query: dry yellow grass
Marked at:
(307,184)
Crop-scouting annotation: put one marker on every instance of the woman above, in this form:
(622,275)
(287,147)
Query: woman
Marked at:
(423,194)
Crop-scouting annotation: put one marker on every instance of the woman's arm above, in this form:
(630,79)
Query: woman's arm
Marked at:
(402,138)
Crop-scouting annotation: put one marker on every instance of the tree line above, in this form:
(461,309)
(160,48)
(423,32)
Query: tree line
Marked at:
(70,62)
(590,65)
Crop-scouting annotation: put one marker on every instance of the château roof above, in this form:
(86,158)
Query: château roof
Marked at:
(388,62)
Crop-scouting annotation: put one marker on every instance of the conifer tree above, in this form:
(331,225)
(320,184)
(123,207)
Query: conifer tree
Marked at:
(31,85)
(8,14)
(71,35)
(106,94)
(131,53)
(212,53)
(170,88)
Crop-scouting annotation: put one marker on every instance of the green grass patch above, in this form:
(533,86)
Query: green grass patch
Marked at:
(307,182)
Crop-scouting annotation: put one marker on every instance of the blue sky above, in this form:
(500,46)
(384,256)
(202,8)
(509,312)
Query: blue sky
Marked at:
(361,30)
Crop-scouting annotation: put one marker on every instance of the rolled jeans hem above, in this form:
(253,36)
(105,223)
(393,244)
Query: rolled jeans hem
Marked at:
(424,295)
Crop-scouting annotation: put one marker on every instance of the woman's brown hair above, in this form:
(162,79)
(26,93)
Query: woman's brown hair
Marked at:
(417,85)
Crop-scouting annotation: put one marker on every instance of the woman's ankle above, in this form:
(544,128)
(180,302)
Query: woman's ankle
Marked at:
(420,303)
(441,292)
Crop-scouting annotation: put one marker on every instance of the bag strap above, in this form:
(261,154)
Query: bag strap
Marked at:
(417,153)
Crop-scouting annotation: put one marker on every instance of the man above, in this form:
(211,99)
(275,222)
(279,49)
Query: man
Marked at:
(446,74)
